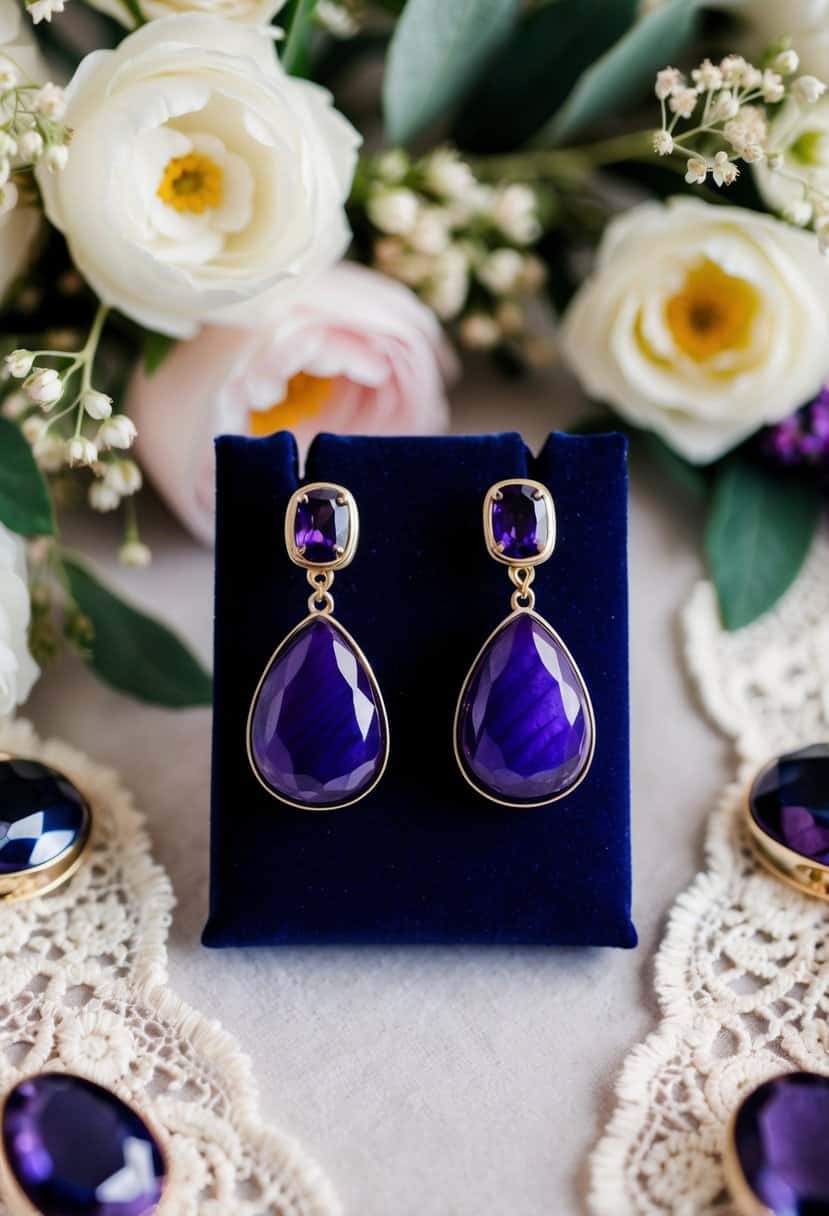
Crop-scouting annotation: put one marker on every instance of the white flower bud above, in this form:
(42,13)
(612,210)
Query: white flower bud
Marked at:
(514,210)
(56,157)
(696,171)
(81,451)
(394,211)
(336,19)
(707,76)
(44,387)
(8,145)
(430,234)
(49,451)
(393,165)
(808,89)
(117,432)
(96,404)
(725,106)
(135,553)
(773,87)
(684,102)
(479,331)
(33,428)
(30,146)
(667,82)
(752,152)
(501,271)
(786,62)
(9,75)
(123,476)
(15,406)
(44,10)
(663,143)
(8,198)
(449,284)
(102,497)
(447,175)
(50,101)
(19,363)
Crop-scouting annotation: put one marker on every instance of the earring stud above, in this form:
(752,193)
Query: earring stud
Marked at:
(45,828)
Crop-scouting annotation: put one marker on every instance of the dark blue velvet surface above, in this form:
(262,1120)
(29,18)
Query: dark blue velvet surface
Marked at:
(423,858)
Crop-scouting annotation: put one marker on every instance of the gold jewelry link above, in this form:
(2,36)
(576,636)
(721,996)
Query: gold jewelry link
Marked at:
(523,597)
(320,600)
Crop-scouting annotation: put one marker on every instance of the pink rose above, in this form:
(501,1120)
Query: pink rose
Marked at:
(356,352)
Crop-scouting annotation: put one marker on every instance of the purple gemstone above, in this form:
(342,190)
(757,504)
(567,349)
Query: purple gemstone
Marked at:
(780,1139)
(520,520)
(322,524)
(789,801)
(42,815)
(75,1149)
(318,734)
(525,731)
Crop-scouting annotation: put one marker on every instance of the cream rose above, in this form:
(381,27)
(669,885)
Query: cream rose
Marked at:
(801,137)
(701,323)
(806,22)
(245,12)
(202,177)
(18,670)
(20,226)
(356,352)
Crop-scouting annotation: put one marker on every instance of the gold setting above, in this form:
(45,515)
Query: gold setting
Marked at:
(745,1200)
(808,877)
(344,499)
(540,493)
(19,885)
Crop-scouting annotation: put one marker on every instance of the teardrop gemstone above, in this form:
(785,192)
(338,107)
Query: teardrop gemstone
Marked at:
(75,1149)
(43,817)
(524,730)
(789,802)
(780,1144)
(317,734)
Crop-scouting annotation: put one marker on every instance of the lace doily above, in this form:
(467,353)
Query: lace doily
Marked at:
(743,971)
(82,988)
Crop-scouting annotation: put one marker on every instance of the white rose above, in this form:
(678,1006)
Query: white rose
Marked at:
(801,140)
(18,226)
(701,323)
(18,670)
(245,12)
(806,22)
(201,176)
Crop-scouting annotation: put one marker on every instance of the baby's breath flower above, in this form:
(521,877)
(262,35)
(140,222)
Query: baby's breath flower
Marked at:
(135,553)
(786,63)
(56,157)
(447,174)
(514,209)
(393,165)
(394,211)
(479,331)
(49,450)
(724,171)
(696,170)
(19,363)
(667,82)
(448,284)
(684,102)
(501,271)
(33,428)
(724,106)
(44,387)
(97,405)
(336,19)
(9,75)
(117,432)
(707,76)
(123,477)
(732,68)
(15,405)
(773,87)
(102,497)
(430,235)
(30,146)
(81,451)
(663,142)
(44,10)
(50,101)
(807,90)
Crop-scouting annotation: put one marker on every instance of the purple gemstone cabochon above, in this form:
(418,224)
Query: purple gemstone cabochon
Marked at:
(520,521)
(317,731)
(322,524)
(780,1141)
(524,731)
(75,1149)
(789,802)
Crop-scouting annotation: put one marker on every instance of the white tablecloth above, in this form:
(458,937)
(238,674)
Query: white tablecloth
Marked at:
(427,1082)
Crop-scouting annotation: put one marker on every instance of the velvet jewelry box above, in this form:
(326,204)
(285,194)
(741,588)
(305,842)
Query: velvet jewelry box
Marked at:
(423,858)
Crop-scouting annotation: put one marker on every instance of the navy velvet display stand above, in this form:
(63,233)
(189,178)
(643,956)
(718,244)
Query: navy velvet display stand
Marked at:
(423,858)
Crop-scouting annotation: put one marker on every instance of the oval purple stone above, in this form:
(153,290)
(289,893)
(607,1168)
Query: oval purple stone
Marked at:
(780,1142)
(520,521)
(524,730)
(75,1149)
(789,802)
(317,730)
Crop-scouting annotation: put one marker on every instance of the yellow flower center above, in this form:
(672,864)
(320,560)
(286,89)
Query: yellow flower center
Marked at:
(712,312)
(192,183)
(305,397)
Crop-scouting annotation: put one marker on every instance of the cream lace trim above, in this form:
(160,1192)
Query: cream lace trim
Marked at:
(83,975)
(742,975)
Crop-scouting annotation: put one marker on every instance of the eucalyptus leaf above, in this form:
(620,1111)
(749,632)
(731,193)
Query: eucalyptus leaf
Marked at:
(438,51)
(760,527)
(25,505)
(133,652)
(624,73)
(156,349)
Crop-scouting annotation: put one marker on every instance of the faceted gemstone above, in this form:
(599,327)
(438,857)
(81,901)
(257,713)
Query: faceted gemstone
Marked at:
(780,1138)
(318,733)
(42,815)
(75,1149)
(790,802)
(524,731)
(520,521)
(322,524)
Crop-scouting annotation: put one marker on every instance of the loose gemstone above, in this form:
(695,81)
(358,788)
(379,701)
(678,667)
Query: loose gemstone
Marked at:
(520,520)
(75,1149)
(318,734)
(780,1141)
(42,815)
(789,801)
(525,730)
(322,524)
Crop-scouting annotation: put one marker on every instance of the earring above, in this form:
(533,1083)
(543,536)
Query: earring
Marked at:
(524,729)
(787,813)
(317,733)
(45,828)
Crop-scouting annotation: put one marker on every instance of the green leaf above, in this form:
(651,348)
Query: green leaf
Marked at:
(533,74)
(760,527)
(25,505)
(690,477)
(625,72)
(296,55)
(437,53)
(156,349)
(134,652)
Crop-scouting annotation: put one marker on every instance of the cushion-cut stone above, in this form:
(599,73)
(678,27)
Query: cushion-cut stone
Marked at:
(780,1141)
(318,733)
(75,1149)
(789,801)
(520,521)
(42,815)
(524,729)
(322,524)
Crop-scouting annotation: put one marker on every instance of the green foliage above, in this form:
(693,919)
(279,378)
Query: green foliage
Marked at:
(156,349)
(437,53)
(300,26)
(25,505)
(132,651)
(760,527)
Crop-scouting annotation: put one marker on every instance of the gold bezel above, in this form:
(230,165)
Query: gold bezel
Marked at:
(587,700)
(19,885)
(18,1201)
(808,877)
(304,806)
(344,498)
(541,492)
(745,1200)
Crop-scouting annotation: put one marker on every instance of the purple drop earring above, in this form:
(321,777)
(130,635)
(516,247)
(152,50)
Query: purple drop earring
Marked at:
(524,730)
(317,733)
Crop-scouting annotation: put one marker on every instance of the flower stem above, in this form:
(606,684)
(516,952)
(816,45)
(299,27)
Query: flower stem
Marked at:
(295,55)
(579,160)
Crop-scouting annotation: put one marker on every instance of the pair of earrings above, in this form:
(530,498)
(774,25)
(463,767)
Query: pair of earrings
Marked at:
(317,733)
